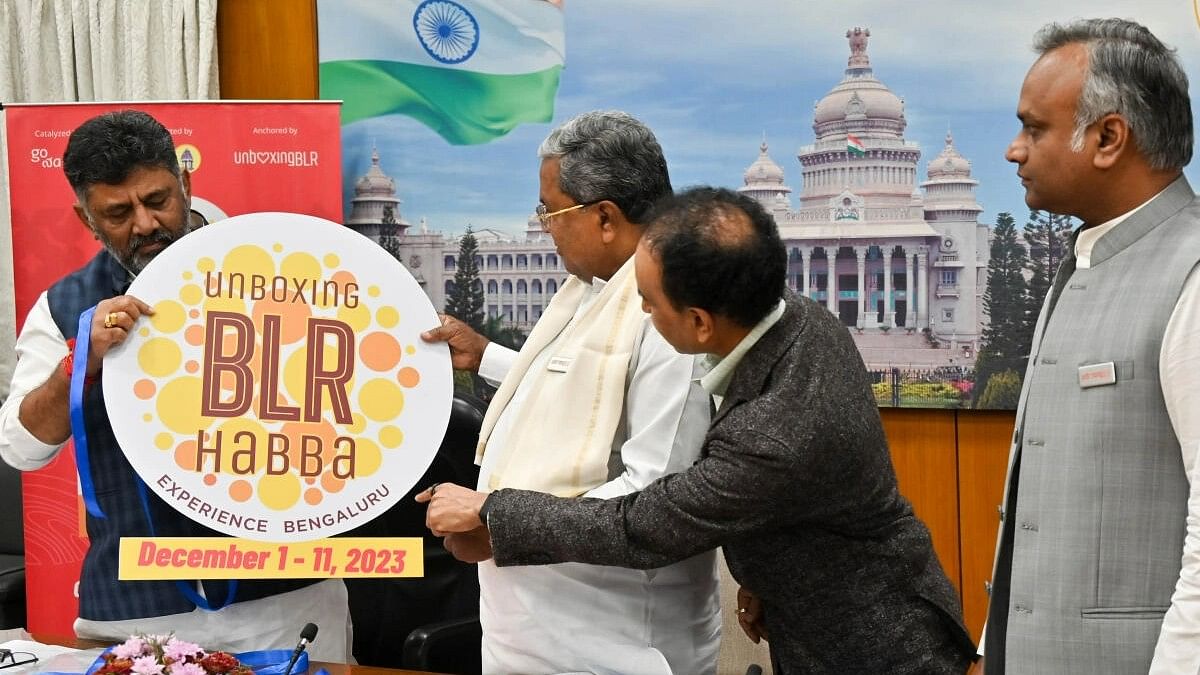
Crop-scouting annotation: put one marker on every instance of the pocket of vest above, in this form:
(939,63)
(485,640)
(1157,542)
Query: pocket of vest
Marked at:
(1123,612)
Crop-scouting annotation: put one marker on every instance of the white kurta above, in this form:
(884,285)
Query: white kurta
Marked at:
(585,618)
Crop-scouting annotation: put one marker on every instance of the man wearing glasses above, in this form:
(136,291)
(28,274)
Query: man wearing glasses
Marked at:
(595,404)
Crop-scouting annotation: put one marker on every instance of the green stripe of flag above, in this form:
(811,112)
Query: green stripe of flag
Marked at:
(462,106)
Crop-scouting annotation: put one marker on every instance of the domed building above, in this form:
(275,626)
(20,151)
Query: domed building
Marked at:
(878,249)
(375,202)
(764,180)
(889,255)
(519,276)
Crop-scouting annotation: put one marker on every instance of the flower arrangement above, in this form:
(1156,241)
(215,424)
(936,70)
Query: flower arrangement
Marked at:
(166,655)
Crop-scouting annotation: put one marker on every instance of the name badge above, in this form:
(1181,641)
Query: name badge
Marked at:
(559,364)
(1097,374)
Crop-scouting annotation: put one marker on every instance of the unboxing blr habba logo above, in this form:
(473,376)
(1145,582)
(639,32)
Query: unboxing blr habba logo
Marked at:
(276,379)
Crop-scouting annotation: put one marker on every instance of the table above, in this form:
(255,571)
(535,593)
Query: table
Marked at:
(346,669)
(313,666)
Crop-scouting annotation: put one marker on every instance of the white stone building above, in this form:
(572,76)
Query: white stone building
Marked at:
(905,255)
(902,255)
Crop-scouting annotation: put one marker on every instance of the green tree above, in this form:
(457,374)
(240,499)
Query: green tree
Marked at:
(1047,236)
(465,302)
(1002,392)
(1005,340)
(506,335)
(389,232)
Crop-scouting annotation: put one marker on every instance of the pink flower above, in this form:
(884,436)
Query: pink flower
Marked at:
(186,669)
(131,648)
(179,650)
(147,665)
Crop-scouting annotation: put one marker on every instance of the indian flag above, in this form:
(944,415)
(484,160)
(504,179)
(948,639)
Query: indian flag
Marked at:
(855,146)
(471,70)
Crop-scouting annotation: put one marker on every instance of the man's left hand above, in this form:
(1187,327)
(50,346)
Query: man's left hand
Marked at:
(470,547)
(750,615)
(452,508)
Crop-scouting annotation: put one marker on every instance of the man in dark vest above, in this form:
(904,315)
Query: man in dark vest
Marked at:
(1098,563)
(134,198)
(795,481)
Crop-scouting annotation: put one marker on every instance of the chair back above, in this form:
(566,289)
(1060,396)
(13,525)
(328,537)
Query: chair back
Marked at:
(385,611)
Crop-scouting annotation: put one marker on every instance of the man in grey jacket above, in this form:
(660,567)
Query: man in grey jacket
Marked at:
(795,480)
(1098,564)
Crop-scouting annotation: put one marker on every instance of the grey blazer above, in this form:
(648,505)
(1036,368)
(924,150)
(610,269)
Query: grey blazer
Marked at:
(796,483)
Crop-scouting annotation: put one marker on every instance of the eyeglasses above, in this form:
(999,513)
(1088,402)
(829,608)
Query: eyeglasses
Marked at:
(545,217)
(10,659)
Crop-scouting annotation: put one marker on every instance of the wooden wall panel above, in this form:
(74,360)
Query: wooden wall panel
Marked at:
(924,453)
(983,444)
(267,49)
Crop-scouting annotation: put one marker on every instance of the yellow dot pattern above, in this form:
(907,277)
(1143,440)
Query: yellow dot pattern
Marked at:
(391,437)
(381,400)
(300,266)
(387,317)
(168,316)
(177,406)
(191,294)
(159,357)
(279,492)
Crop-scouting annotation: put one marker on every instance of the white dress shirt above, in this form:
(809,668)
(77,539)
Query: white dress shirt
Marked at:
(588,618)
(270,622)
(1178,648)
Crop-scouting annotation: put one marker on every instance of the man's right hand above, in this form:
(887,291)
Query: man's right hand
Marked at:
(466,346)
(113,320)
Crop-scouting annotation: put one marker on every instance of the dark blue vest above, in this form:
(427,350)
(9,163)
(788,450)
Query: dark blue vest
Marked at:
(101,596)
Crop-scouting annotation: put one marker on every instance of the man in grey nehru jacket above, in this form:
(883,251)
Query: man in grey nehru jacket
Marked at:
(1098,563)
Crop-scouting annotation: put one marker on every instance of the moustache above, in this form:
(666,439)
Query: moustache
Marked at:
(163,237)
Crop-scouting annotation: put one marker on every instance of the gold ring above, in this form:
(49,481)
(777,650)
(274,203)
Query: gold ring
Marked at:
(110,320)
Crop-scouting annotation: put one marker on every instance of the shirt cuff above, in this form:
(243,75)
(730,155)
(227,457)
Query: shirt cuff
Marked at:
(495,363)
(21,449)
(485,510)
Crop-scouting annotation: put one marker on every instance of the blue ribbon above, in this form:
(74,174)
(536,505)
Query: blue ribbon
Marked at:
(185,587)
(273,661)
(83,462)
(263,662)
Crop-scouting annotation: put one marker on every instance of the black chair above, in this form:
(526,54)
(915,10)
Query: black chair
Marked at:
(446,647)
(12,550)
(384,611)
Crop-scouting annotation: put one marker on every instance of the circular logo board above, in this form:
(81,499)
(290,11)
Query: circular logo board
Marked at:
(281,391)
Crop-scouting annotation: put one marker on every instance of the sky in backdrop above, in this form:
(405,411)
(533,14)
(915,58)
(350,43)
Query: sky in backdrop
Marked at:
(711,82)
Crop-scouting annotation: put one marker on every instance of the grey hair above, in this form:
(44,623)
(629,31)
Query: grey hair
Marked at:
(608,154)
(1133,74)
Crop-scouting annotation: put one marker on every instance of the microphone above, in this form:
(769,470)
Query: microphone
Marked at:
(754,669)
(307,635)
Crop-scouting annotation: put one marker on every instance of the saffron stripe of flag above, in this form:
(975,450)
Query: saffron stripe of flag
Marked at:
(855,146)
